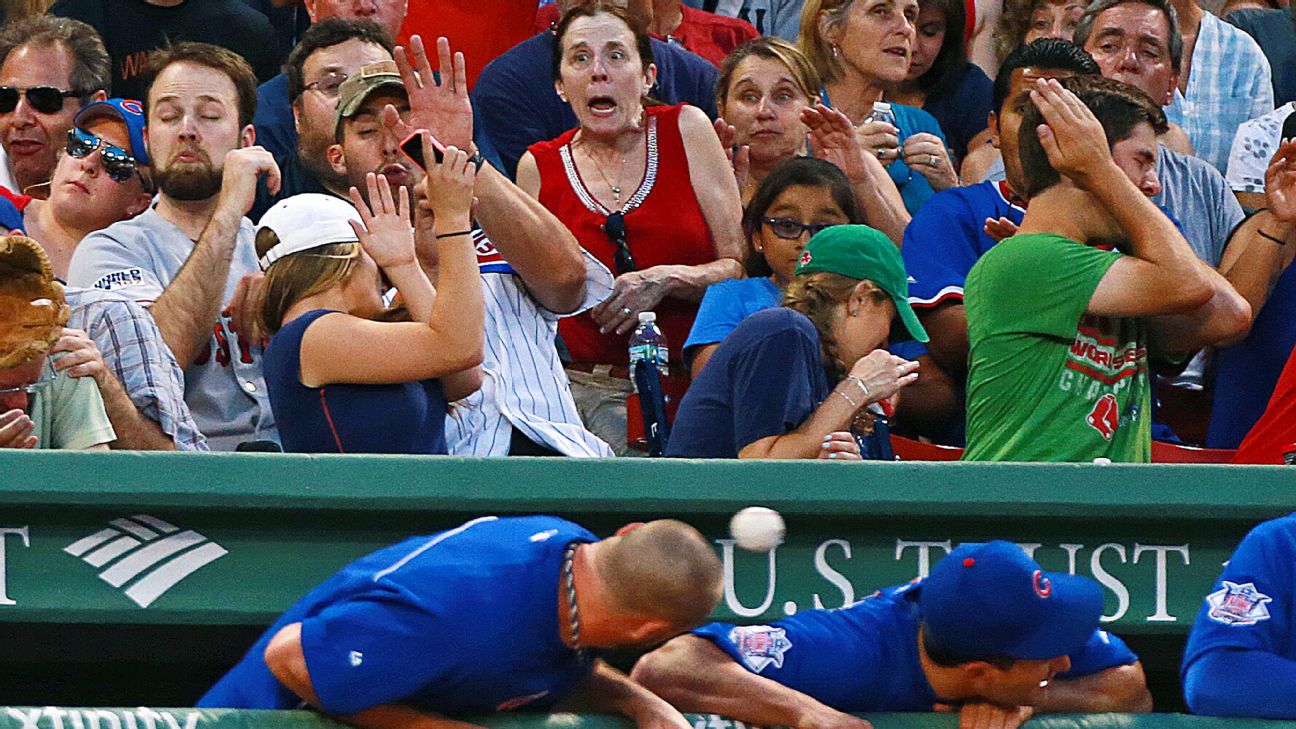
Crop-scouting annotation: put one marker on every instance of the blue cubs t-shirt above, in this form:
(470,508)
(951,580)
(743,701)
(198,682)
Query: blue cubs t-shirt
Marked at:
(864,657)
(463,620)
(947,237)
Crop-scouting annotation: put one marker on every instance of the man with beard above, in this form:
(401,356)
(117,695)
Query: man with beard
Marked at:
(329,52)
(533,270)
(190,258)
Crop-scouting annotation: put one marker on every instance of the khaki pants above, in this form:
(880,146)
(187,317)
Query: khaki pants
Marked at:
(601,402)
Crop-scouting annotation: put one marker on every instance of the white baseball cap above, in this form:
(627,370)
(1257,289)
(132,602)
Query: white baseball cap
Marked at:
(307,221)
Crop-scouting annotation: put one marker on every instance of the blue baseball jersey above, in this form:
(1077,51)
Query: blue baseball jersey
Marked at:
(947,237)
(1250,606)
(463,620)
(864,657)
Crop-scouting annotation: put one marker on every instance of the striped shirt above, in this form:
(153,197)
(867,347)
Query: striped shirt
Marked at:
(133,349)
(1229,83)
(524,385)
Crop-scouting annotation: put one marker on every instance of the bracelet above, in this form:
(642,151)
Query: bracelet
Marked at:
(860,382)
(847,398)
(452,235)
(1263,234)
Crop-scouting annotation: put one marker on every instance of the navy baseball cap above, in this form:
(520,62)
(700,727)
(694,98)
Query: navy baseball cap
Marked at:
(130,112)
(990,600)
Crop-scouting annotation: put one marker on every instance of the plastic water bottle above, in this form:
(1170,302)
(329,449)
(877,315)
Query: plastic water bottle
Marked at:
(882,112)
(649,363)
(648,344)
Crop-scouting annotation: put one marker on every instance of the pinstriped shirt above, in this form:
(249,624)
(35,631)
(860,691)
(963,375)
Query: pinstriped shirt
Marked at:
(133,349)
(524,385)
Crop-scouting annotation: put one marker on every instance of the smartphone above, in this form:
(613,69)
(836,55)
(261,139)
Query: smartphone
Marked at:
(413,148)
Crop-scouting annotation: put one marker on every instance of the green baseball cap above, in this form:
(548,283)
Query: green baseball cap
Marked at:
(358,86)
(858,251)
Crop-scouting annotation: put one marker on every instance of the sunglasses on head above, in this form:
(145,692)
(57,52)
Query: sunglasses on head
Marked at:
(117,162)
(45,99)
(615,229)
(789,229)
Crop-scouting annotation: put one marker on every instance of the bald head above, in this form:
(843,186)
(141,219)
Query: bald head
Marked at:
(664,569)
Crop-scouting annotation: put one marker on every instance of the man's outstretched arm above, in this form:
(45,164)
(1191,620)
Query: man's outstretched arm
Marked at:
(694,675)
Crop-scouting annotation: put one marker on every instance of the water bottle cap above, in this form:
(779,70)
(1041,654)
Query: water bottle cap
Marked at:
(881,106)
(647,316)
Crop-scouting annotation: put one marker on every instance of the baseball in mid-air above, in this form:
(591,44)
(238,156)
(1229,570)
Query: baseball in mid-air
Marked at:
(757,528)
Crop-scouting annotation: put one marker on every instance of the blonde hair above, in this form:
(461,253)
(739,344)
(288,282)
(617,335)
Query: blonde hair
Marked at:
(294,277)
(775,49)
(811,40)
(818,296)
(665,569)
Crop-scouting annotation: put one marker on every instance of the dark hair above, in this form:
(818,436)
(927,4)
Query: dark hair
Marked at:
(643,41)
(209,56)
(1091,13)
(92,68)
(1050,53)
(807,171)
(1119,108)
(944,658)
(326,34)
(948,65)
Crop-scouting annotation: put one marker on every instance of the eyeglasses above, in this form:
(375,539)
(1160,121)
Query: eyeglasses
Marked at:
(615,229)
(45,99)
(329,85)
(117,162)
(789,229)
(29,391)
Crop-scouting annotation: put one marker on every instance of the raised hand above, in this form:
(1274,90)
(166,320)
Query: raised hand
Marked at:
(879,139)
(884,373)
(16,430)
(833,138)
(81,356)
(448,188)
(739,156)
(440,107)
(999,228)
(1071,135)
(384,232)
(243,167)
(1280,182)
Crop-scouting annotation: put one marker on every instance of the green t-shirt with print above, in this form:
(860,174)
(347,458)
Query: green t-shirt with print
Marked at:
(1047,381)
(69,412)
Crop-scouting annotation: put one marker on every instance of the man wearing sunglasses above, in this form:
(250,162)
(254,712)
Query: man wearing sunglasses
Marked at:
(39,407)
(191,258)
(49,68)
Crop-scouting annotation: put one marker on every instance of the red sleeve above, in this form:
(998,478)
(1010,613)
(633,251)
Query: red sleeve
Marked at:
(969,20)
(1275,431)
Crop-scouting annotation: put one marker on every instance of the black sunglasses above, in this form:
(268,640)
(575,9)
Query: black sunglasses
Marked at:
(117,162)
(45,99)
(615,229)
(789,229)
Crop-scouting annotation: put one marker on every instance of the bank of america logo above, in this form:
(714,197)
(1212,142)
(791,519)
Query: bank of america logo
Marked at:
(147,552)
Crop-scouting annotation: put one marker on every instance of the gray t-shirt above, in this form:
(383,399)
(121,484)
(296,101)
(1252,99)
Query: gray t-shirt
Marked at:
(780,18)
(139,258)
(1196,194)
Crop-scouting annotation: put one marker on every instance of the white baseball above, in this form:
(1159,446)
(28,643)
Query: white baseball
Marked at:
(1102,461)
(757,528)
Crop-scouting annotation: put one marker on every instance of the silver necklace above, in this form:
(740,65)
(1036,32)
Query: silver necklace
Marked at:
(569,579)
(616,188)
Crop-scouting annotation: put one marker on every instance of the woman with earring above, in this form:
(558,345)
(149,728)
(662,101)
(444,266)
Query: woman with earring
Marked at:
(646,189)
(861,48)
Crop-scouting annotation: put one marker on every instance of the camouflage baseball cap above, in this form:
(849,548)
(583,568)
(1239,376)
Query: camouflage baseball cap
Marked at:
(358,86)
(32,308)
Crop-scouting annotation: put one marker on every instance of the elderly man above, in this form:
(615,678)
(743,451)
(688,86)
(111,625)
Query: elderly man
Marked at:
(493,615)
(40,407)
(190,258)
(49,68)
(533,270)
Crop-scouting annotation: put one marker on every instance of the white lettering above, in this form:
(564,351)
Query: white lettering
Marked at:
(30,719)
(1029,549)
(731,593)
(718,722)
(191,720)
(26,542)
(55,715)
(1071,550)
(75,716)
(1106,580)
(1161,615)
(924,553)
(837,579)
(149,717)
(93,716)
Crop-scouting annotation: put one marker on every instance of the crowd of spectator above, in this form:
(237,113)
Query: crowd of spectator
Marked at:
(1024,230)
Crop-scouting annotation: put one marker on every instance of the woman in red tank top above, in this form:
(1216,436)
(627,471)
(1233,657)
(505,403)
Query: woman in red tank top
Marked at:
(647,191)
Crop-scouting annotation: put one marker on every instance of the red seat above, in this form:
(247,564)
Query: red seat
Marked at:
(916,450)
(1171,453)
